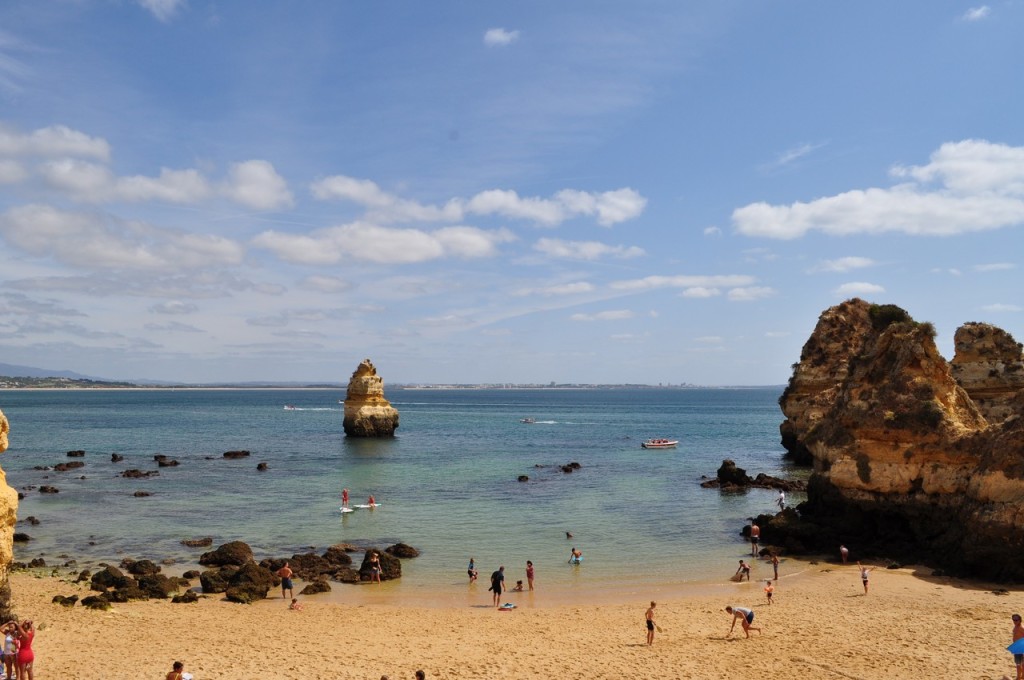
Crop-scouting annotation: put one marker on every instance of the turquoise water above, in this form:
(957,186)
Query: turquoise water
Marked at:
(447,483)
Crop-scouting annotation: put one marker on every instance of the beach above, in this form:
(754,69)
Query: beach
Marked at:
(821,625)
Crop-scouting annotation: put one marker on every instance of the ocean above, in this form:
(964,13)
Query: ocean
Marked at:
(446,483)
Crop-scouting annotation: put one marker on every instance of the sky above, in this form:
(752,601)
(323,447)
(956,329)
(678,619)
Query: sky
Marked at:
(586,191)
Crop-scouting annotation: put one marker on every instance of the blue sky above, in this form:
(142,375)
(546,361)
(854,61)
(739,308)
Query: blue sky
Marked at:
(581,191)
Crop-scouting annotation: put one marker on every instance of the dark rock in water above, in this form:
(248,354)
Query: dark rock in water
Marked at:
(142,494)
(36,563)
(96,602)
(262,467)
(83,575)
(191,574)
(66,601)
(390,566)
(32,520)
(566,469)
(367,412)
(22,537)
(116,458)
(523,478)
(188,597)
(233,455)
(138,474)
(402,551)
(168,462)
(730,473)
(140,567)
(49,489)
(205,542)
(235,552)
(338,555)
(307,566)
(317,586)
(72,465)
(76,454)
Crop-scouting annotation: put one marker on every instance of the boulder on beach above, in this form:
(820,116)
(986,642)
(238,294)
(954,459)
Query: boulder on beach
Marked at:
(390,566)
(402,551)
(233,553)
(250,583)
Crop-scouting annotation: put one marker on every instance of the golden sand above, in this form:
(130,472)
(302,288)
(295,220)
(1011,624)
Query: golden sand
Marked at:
(820,626)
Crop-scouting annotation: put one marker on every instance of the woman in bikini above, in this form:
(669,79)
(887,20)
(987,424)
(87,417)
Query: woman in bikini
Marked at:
(176,672)
(375,567)
(10,634)
(26,633)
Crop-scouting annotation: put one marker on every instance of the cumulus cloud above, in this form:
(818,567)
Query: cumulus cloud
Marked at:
(682,281)
(257,185)
(610,315)
(750,293)
(855,288)
(51,142)
(327,284)
(968,186)
(609,207)
(584,250)
(700,292)
(976,13)
(843,264)
(174,307)
(94,183)
(163,10)
(366,242)
(93,241)
(12,172)
(712,231)
(994,267)
(575,288)
(499,37)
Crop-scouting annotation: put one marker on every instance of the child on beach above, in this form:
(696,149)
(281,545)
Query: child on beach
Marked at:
(472,570)
(519,587)
(769,589)
(295,606)
(864,571)
(743,570)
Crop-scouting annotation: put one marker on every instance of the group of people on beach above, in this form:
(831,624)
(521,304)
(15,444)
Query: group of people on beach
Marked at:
(498,580)
(17,649)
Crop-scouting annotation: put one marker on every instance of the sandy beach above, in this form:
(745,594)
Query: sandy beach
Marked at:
(821,625)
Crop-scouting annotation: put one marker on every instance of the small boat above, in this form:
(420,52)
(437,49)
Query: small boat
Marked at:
(660,444)
(289,407)
(528,421)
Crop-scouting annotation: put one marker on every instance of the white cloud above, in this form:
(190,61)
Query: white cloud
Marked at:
(257,185)
(327,284)
(710,339)
(976,13)
(367,242)
(790,155)
(843,264)
(499,37)
(700,292)
(12,172)
(162,9)
(682,281)
(994,267)
(575,288)
(980,187)
(712,231)
(51,142)
(611,315)
(93,241)
(174,307)
(855,288)
(584,250)
(999,307)
(750,293)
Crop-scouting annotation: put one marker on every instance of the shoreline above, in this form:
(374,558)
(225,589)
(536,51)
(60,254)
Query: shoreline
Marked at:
(821,625)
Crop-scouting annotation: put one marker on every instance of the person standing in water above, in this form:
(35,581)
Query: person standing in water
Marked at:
(472,570)
(529,573)
(344,498)
(498,585)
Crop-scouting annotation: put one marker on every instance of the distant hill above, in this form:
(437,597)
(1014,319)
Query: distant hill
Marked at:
(14,371)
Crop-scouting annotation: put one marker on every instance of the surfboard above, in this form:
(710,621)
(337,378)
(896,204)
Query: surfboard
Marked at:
(368,506)
(347,510)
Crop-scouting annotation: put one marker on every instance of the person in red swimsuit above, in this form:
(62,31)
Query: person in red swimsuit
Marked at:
(26,633)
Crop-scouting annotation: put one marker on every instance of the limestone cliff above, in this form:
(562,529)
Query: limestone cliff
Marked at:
(8,516)
(905,463)
(367,412)
(988,364)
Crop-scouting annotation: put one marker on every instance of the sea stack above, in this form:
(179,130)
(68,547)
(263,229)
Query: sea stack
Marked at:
(367,412)
(8,516)
(914,458)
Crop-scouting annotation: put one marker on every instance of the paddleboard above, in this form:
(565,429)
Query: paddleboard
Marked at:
(508,606)
(347,510)
(368,506)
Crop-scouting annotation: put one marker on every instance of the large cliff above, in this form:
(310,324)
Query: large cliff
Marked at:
(905,462)
(367,412)
(8,517)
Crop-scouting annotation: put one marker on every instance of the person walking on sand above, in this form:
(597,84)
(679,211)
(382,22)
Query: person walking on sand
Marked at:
(746,618)
(741,571)
(755,538)
(498,584)
(775,565)
(650,623)
(529,573)
(285,572)
(844,552)
(344,498)
(472,570)
(26,657)
(769,590)
(864,571)
(1018,633)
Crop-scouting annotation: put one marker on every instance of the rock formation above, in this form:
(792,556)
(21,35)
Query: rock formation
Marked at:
(367,412)
(8,517)
(906,464)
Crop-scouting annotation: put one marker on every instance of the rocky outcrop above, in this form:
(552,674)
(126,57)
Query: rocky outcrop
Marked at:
(905,463)
(988,364)
(367,412)
(8,517)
